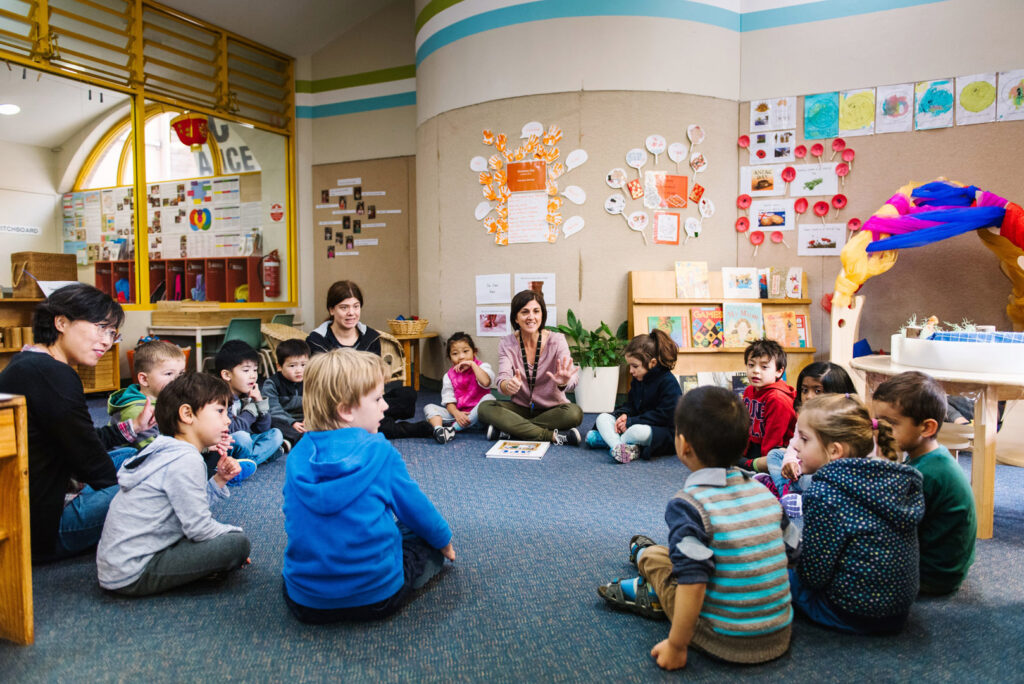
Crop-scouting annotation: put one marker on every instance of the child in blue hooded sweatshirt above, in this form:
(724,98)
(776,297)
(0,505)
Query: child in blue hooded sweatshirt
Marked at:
(347,558)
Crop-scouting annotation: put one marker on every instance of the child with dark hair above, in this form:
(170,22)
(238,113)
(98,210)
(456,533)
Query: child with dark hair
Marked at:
(915,405)
(157,364)
(159,532)
(768,399)
(255,439)
(464,387)
(283,390)
(643,425)
(722,579)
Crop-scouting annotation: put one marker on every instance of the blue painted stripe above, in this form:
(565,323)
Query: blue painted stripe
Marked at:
(752,565)
(750,620)
(759,495)
(354,106)
(543,10)
(757,579)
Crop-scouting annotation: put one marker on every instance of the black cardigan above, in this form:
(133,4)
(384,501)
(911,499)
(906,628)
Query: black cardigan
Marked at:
(653,402)
(62,442)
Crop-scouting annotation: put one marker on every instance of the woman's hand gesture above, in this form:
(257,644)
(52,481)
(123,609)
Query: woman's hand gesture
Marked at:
(146,419)
(565,371)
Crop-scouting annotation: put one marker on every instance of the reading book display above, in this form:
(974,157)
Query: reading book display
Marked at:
(515,448)
(720,327)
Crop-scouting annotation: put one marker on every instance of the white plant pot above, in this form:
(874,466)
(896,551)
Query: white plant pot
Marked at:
(595,391)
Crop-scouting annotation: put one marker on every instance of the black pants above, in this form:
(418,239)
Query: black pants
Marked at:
(402,404)
(285,426)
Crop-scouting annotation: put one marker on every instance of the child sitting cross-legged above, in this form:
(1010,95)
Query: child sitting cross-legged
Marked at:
(157,363)
(722,579)
(464,387)
(768,399)
(362,536)
(858,562)
(255,440)
(283,390)
(159,532)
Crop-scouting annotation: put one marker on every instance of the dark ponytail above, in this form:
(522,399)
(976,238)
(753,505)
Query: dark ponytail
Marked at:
(657,345)
(76,302)
(886,442)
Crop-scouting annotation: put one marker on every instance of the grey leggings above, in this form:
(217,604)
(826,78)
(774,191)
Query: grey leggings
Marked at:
(186,561)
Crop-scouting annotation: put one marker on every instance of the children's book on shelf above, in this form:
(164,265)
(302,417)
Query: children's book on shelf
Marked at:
(777,282)
(688,382)
(509,448)
(762,282)
(742,323)
(706,326)
(781,327)
(794,283)
(739,382)
(740,283)
(692,280)
(673,326)
(734,381)
(801,328)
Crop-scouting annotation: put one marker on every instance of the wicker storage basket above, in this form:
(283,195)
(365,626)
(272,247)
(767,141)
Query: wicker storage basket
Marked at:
(408,327)
(44,266)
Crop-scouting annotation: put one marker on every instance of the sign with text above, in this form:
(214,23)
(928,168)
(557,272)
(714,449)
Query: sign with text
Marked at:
(527,176)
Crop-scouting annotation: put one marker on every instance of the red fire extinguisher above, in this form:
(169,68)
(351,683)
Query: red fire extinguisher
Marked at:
(272,275)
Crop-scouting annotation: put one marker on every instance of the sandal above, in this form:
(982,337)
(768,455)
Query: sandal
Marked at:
(646,603)
(637,543)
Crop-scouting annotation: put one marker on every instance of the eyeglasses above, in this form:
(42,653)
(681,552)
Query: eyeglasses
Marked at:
(108,333)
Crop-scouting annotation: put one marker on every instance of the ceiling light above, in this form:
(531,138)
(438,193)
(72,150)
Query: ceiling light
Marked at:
(9,109)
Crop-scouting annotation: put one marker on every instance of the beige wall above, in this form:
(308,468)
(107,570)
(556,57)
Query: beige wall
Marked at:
(28,197)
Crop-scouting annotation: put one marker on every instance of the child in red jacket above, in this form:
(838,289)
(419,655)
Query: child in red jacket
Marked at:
(768,399)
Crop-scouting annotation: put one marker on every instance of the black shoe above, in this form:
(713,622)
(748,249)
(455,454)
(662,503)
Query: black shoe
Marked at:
(492,433)
(568,438)
(443,435)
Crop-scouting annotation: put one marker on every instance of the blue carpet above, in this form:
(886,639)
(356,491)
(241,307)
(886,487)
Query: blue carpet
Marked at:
(533,540)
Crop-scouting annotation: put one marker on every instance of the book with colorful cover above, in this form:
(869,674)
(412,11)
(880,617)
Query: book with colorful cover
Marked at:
(740,283)
(740,381)
(706,326)
(692,280)
(795,283)
(673,326)
(688,382)
(742,323)
(508,448)
(781,327)
(801,328)
(777,282)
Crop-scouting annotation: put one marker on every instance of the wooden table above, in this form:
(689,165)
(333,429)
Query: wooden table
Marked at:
(16,620)
(988,389)
(411,352)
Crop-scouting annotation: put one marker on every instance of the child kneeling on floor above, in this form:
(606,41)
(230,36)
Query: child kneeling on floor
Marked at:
(361,534)
(722,580)
(159,532)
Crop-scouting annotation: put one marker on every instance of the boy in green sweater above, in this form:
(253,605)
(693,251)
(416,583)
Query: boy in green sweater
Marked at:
(915,405)
(157,363)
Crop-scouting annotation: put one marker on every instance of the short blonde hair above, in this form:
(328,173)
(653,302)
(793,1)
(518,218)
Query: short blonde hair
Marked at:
(149,354)
(341,377)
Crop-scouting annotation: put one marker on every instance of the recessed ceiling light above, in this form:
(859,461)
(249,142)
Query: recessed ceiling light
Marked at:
(9,109)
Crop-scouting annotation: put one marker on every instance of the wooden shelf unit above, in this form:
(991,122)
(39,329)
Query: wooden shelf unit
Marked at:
(16,618)
(652,293)
(221,276)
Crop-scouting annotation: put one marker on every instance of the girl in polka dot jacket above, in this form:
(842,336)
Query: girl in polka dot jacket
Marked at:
(858,568)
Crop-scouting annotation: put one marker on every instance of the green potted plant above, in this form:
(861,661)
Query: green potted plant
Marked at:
(598,352)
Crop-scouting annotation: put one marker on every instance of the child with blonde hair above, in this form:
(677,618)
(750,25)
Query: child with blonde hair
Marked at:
(157,363)
(858,563)
(361,533)
(643,425)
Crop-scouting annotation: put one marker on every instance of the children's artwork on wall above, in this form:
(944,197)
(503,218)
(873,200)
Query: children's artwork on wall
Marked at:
(857,112)
(1010,105)
(663,190)
(933,104)
(772,146)
(739,283)
(492,321)
(493,289)
(894,108)
(762,181)
(820,239)
(774,214)
(814,179)
(821,116)
(772,114)
(666,228)
(541,283)
(975,99)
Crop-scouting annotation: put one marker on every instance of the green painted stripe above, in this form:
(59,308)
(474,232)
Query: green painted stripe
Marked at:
(352,80)
(433,8)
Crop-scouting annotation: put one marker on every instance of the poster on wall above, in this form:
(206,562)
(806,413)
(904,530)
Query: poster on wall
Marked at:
(894,108)
(775,214)
(776,146)
(666,228)
(772,114)
(544,283)
(492,321)
(857,112)
(815,179)
(527,217)
(1010,104)
(820,239)
(762,181)
(663,190)
(821,116)
(933,105)
(975,99)
(526,176)
(493,289)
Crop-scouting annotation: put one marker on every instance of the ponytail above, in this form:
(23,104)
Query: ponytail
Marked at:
(657,346)
(885,441)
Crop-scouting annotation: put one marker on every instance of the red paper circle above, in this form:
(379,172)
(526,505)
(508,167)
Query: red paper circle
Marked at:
(838,145)
(756,237)
(853,224)
(842,169)
(800,151)
(760,154)
(743,201)
(742,224)
(776,236)
(743,141)
(848,155)
(788,174)
(817,149)
(800,206)
(820,208)
(839,201)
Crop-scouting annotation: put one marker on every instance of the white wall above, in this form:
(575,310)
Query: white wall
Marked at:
(28,197)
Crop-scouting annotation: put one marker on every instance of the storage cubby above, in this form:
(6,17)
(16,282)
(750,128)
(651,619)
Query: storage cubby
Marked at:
(221,277)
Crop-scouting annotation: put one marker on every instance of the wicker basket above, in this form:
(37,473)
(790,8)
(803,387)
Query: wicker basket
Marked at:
(408,327)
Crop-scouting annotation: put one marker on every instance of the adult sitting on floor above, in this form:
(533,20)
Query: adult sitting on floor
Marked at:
(343,330)
(71,476)
(535,369)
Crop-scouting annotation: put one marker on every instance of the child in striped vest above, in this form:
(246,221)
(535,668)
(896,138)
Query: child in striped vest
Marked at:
(722,580)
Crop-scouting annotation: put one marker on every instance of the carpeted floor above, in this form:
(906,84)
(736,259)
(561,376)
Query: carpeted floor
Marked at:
(533,540)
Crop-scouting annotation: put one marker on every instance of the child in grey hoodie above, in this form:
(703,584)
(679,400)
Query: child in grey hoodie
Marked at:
(159,532)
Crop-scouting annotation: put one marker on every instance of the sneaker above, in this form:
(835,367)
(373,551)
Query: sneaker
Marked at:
(286,446)
(492,433)
(624,453)
(766,480)
(595,441)
(568,438)
(248,468)
(503,436)
(443,435)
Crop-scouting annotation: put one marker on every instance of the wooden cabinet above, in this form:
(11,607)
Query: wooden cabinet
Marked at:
(221,277)
(16,621)
(653,293)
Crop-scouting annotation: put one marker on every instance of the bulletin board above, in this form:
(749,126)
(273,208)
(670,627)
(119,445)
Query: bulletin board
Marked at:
(363,223)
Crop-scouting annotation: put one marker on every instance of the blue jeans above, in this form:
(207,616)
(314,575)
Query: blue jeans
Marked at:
(81,523)
(774,464)
(260,448)
(814,604)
